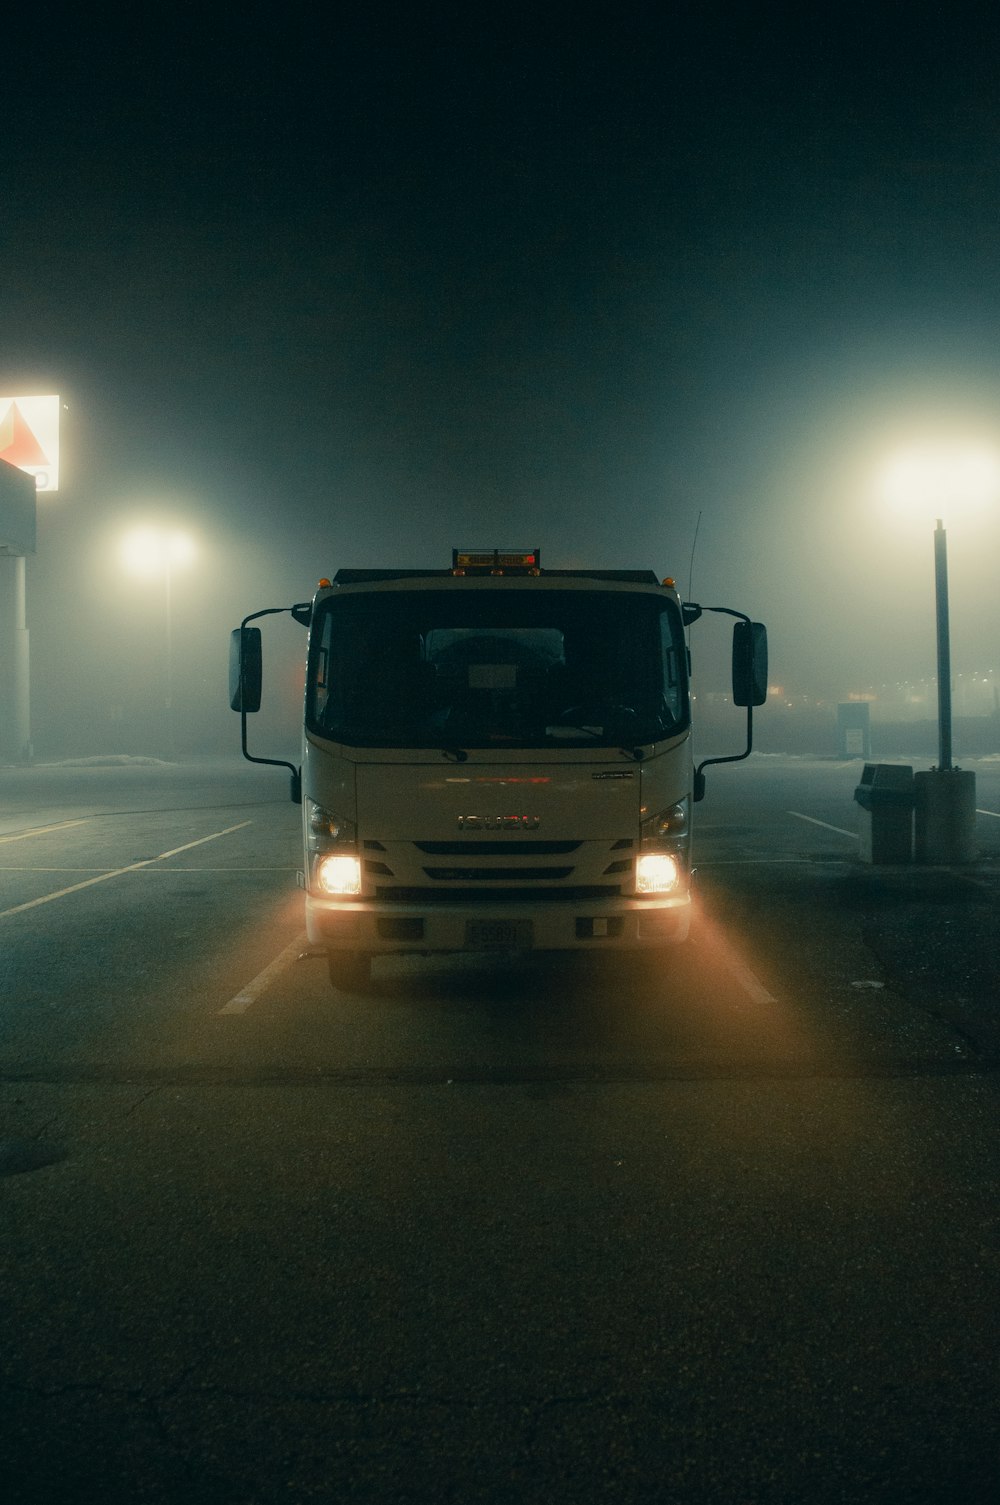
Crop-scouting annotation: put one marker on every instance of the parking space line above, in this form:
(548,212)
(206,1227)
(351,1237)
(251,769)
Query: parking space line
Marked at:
(739,971)
(824,823)
(995,813)
(118,871)
(62,825)
(247,996)
(753,862)
(149,872)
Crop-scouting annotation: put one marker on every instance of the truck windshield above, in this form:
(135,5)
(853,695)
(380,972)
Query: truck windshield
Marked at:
(467,668)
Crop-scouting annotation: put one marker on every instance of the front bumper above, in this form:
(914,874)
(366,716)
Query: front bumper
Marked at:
(548,924)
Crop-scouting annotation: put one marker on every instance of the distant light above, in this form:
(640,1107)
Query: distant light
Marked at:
(940,480)
(152,551)
(180,548)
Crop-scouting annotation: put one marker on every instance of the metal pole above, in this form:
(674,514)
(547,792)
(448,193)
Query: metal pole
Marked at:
(169,699)
(22,682)
(943,646)
(15,726)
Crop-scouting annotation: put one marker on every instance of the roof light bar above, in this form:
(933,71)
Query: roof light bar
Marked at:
(496,561)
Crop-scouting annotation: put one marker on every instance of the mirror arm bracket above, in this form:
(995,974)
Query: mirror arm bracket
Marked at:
(301,612)
(699,775)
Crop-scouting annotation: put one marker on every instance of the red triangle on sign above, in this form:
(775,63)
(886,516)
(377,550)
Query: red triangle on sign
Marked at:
(18,444)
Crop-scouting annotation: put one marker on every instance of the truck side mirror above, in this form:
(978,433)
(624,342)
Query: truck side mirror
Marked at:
(749,663)
(245,669)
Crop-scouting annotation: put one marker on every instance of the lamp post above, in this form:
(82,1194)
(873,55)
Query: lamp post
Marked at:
(151,552)
(918,481)
(943,646)
(945,796)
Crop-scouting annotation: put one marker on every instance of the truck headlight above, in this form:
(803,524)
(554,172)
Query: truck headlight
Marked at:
(327,829)
(338,873)
(669,827)
(336,866)
(658,873)
(661,866)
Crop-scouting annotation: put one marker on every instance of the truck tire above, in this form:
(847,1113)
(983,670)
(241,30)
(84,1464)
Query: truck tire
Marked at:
(350,971)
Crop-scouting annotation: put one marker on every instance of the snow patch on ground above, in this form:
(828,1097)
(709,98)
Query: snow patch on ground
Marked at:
(109,760)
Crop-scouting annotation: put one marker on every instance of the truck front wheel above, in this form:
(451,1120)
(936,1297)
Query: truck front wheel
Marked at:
(350,971)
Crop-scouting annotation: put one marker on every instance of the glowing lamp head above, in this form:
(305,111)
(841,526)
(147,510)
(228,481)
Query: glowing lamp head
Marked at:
(151,551)
(339,874)
(937,480)
(657,873)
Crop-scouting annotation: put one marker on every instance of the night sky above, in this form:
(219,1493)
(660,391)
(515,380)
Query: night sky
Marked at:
(352,285)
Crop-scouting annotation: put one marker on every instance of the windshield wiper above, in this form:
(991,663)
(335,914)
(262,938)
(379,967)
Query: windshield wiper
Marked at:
(572,729)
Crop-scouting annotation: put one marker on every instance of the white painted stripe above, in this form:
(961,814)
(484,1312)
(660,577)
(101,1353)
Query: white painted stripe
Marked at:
(248,996)
(995,813)
(825,824)
(737,968)
(62,825)
(10,867)
(117,872)
(752,862)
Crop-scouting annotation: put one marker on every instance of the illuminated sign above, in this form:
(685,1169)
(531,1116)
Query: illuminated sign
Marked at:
(29,438)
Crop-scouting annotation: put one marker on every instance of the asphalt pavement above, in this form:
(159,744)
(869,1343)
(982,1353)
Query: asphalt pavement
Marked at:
(721,1227)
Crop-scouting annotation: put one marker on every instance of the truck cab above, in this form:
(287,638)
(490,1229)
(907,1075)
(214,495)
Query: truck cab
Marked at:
(497,757)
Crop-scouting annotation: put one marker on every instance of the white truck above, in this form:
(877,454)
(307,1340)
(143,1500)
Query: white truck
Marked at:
(495,756)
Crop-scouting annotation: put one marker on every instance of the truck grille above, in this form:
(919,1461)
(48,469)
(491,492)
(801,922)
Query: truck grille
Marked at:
(569,894)
(491,874)
(496,848)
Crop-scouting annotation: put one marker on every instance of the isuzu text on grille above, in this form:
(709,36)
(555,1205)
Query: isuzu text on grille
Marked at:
(499,822)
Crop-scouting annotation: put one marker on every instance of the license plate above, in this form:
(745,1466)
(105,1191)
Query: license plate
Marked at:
(497,935)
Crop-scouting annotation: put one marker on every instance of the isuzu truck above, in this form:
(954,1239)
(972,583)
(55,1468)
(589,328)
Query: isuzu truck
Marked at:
(495,757)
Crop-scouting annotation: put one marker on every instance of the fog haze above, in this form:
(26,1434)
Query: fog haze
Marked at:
(655,291)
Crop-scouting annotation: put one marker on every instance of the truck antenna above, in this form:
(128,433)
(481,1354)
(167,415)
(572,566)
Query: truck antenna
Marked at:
(694,545)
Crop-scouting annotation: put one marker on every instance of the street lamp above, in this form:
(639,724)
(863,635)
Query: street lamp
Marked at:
(159,551)
(924,481)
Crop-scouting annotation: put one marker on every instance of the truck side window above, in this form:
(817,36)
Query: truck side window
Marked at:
(673,681)
(323,669)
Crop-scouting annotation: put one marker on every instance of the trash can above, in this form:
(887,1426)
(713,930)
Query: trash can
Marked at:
(885,795)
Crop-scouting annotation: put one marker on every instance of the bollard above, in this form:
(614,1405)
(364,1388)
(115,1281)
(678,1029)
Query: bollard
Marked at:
(945,815)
